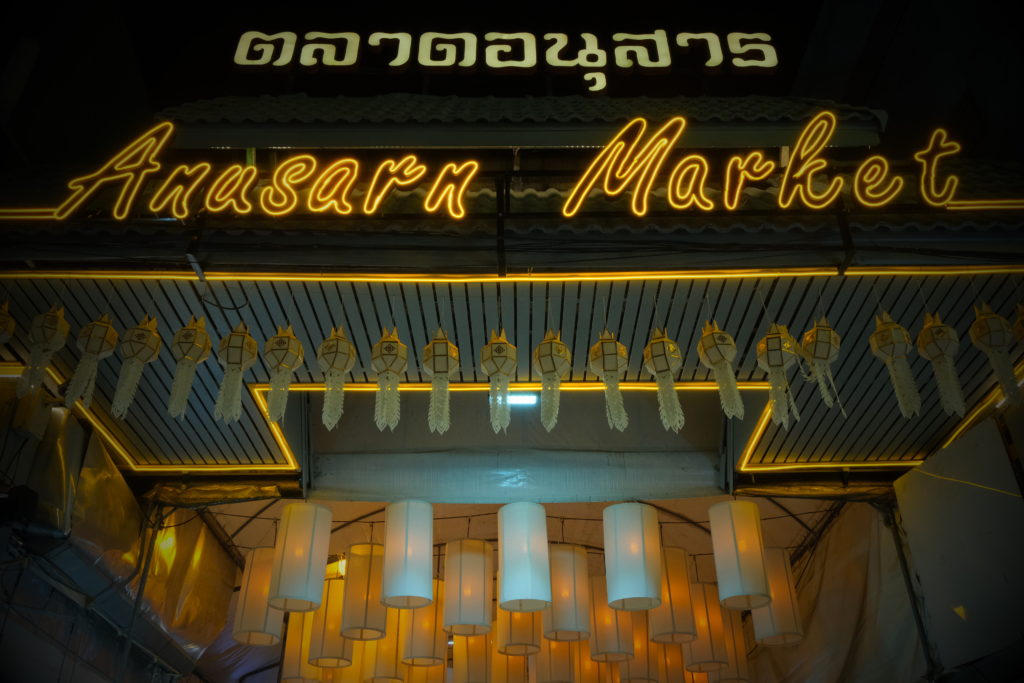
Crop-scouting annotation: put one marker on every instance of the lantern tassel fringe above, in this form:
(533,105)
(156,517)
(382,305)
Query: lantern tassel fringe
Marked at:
(501,412)
(614,407)
(181,387)
(822,374)
(127,383)
(902,380)
(439,415)
(669,409)
(550,399)
(277,397)
(334,398)
(728,391)
(781,398)
(83,381)
(950,392)
(1002,366)
(229,399)
(32,378)
(387,407)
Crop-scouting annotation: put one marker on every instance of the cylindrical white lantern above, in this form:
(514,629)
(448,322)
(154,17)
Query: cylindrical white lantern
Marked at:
(738,669)
(471,658)
(300,558)
(591,671)
(779,622)
(363,617)
(523,557)
(739,554)
(707,652)
(295,666)
(568,617)
(671,669)
(256,622)
(388,665)
(643,666)
(632,556)
(425,642)
(327,647)
(469,581)
(364,658)
(611,630)
(672,620)
(555,661)
(518,632)
(508,668)
(408,555)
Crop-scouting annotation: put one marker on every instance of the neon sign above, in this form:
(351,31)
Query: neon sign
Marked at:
(631,161)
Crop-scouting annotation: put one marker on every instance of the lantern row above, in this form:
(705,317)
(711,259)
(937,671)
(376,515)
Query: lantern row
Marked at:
(777,352)
(638,614)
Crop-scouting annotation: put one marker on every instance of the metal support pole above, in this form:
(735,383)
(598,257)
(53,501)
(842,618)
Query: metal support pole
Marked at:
(145,558)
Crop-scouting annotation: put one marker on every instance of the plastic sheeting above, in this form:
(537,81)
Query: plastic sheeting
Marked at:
(178,493)
(858,622)
(55,466)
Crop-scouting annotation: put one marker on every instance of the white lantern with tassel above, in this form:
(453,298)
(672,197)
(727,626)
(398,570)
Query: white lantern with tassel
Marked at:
(7,323)
(938,343)
(389,358)
(46,336)
(608,360)
(283,353)
(776,353)
(891,343)
(991,333)
(717,351)
(336,356)
(821,349)
(663,359)
(97,340)
(190,347)
(139,346)
(440,362)
(498,361)
(408,554)
(552,360)
(237,353)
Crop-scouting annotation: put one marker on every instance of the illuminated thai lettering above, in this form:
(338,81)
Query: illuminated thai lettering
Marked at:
(280,197)
(177,193)
(939,146)
(798,178)
(230,190)
(872,185)
(738,170)
(686,184)
(403,173)
(332,187)
(450,187)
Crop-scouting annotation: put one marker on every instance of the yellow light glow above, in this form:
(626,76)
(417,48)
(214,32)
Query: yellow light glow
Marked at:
(985,204)
(280,197)
(29,214)
(798,176)
(178,193)
(739,169)
(230,190)
(405,172)
(872,185)
(450,187)
(939,146)
(686,184)
(331,189)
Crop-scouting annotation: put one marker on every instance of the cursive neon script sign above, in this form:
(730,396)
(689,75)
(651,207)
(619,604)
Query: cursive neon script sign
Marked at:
(632,161)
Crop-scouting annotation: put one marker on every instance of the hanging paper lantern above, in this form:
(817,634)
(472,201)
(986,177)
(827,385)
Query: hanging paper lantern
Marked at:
(739,554)
(327,647)
(738,668)
(608,360)
(517,633)
(611,630)
(190,347)
(363,616)
(671,667)
(425,642)
(440,361)
(555,662)
(568,617)
(300,557)
(523,560)
(256,622)
(46,336)
(364,663)
(663,360)
(388,666)
(1018,324)
(7,324)
(632,556)
(708,651)
(336,356)
(717,350)
(588,670)
(97,340)
(776,353)
(295,666)
(498,361)
(672,620)
(139,346)
(552,360)
(643,666)
(508,668)
(407,580)
(425,674)
(820,350)
(237,353)
(938,343)
(778,623)
(471,658)
(468,575)
(991,333)
(389,358)
(891,344)
(283,354)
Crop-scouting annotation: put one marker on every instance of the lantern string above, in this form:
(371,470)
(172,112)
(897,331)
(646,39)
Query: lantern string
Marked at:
(707,303)
(764,305)
(821,292)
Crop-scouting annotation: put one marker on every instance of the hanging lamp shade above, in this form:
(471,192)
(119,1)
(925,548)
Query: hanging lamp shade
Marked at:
(632,556)
(468,577)
(891,344)
(707,652)
(643,666)
(190,346)
(991,333)
(256,622)
(717,351)
(327,647)
(591,671)
(498,360)
(776,353)
(507,668)
(424,674)
(336,356)
(7,323)
(389,358)
(820,347)
(441,362)
(738,669)
(388,662)
(139,346)
(671,667)
(739,554)
(96,340)
(552,360)
(938,343)
(568,617)
(518,632)
(555,661)
(295,666)
(236,352)
(363,617)
(611,630)
(46,336)
(672,620)
(364,659)
(609,360)
(778,623)
(300,558)
(471,658)
(425,642)
(663,359)
(408,555)
(523,558)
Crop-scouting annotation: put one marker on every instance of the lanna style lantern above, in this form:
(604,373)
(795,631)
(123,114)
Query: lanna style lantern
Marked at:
(938,343)
(708,651)
(891,344)
(717,351)
(552,360)
(555,662)
(388,667)
(643,666)
(517,633)
(283,354)
(327,647)
(663,359)
(336,356)
(295,666)
(190,346)
(389,359)
(424,641)
(237,353)
(611,630)
(46,336)
(776,353)
(441,362)
(498,361)
(471,658)
(991,333)
(608,360)
(363,616)
(672,620)
(1018,324)
(408,555)
(140,345)
(96,340)
(738,668)
(7,323)
(820,347)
